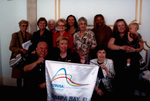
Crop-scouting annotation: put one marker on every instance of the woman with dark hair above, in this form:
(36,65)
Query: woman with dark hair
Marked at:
(41,35)
(106,73)
(72,25)
(101,30)
(126,78)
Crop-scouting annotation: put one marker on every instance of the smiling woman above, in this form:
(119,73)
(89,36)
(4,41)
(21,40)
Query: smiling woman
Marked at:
(105,74)
(63,53)
(61,25)
(84,41)
(41,35)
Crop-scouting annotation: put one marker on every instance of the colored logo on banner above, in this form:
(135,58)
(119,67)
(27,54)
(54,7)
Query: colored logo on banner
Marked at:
(67,77)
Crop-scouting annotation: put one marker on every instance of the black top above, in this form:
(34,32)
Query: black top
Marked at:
(119,56)
(71,57)
(36,38)
(36,76)
(100,72)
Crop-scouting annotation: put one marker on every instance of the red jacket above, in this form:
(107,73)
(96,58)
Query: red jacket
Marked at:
(56,35)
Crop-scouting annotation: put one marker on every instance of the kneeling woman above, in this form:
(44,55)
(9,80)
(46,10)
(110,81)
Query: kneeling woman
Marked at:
(106,73)
(63,53)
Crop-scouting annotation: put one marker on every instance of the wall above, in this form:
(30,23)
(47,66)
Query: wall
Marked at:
(12,11)
(1,80)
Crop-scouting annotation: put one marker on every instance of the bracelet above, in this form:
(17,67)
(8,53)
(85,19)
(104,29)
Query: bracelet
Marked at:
(43,85)
(120,48)
(135,50)
(36,63)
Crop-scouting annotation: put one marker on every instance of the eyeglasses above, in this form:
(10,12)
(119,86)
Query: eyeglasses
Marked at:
(61,25)
(24,25)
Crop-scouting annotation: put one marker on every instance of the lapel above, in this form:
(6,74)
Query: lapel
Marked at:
(20,37)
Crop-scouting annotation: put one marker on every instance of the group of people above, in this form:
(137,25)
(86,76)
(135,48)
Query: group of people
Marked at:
(115,51)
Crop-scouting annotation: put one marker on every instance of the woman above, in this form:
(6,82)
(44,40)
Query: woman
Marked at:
(62,53)
(51,26)
(17,40)
(61,25)
(72,25)
(101,30)
(106,73)
(42,35)
(126,78)
(84,41)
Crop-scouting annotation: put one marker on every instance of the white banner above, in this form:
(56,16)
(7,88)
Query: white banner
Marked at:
(70,81)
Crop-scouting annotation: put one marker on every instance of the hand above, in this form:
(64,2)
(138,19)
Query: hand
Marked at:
(82,61)
(103,66)
(42,85)
(99,92)
(131,49)
(80,53)
(40,60)
(23,51)
(34,52)
(125,47)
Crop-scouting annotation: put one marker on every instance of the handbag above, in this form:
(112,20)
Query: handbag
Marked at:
(18,60)
(15,61)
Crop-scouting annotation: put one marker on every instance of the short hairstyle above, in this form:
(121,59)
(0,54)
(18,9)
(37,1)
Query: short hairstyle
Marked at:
(42,19)
(101,47)
(60,39)
(23,21)
(134,24)
(82,19)
(61,20)
(51,20)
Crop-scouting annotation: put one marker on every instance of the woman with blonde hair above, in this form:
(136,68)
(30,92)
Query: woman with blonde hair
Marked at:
(63,53)
(61,25)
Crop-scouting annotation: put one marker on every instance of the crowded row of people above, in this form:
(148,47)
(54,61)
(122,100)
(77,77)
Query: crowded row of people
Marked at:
(72,42)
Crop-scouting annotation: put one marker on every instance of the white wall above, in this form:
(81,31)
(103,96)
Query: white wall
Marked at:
(12,11)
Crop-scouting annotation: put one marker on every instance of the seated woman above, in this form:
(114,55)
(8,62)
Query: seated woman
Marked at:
(63,53)
(106,73)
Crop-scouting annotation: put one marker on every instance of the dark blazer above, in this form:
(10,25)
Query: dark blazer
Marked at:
(36,38)
(14,47)
(71,57)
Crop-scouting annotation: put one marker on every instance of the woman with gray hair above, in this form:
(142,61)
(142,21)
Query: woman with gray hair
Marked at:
(84,41)
(18,38)
(51,26)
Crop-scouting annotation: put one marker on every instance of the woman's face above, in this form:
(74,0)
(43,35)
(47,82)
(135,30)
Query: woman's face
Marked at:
(101,54)
(61,26)
(99,21)
(82,25)
(42,25)
(63,45)
(71,21)
(23,27)
(51,25)
(121,26)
